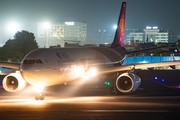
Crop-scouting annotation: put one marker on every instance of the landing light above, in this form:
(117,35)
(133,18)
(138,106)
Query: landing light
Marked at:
(39,87)
(92,72)
(162,80)
(155,78)
(79,70)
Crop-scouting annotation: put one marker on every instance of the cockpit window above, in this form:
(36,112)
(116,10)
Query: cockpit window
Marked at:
(31,61)
(26,61)
(38,61)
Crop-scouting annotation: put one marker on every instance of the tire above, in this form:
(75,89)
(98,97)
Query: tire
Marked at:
(111,91)
(37,96)
(116,91)
(41,96)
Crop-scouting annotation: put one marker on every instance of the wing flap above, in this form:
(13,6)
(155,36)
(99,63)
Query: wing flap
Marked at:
(10,65)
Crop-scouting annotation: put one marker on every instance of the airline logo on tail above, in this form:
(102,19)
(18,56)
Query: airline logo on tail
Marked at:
(119,36)
(121,25)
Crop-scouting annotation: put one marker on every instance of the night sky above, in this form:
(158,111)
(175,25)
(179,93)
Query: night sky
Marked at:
(99,14)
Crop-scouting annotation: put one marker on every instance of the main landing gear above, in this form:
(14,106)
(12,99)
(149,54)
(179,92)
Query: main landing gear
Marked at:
(114,91)
(39,96)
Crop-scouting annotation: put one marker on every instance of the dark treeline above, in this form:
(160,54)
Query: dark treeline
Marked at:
(15,49)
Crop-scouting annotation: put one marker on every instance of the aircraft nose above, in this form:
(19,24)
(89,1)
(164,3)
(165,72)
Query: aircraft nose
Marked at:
(27,70)
(25,67)
(28,74)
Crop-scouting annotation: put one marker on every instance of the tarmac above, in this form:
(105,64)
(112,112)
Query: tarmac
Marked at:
(152,101)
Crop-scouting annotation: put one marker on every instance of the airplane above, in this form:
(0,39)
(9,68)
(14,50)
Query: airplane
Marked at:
(53,66)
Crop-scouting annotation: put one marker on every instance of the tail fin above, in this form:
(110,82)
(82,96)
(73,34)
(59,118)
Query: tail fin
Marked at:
(119,36)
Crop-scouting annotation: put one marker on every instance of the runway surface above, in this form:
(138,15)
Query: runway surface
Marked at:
(141,105)
(90,108)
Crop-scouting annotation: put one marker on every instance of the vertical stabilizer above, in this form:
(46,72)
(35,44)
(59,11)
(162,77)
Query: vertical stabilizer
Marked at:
(119,36)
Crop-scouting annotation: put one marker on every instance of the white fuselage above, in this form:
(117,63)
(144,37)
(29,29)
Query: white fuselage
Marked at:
(54,66)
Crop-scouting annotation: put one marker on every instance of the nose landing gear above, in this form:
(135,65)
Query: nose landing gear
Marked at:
(39,88)
(39,96)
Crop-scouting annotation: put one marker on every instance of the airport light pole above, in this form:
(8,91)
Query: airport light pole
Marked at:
(47,26)
(13,27)
(115,27)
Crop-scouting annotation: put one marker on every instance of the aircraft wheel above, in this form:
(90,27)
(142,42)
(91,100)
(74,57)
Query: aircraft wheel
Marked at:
(116,91)
(111,91)
(39,96)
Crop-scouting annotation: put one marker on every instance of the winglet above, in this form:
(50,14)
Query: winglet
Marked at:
(119,36)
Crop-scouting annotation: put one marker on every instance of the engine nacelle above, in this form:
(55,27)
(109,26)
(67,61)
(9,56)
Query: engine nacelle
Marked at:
(128,82)
(14,82)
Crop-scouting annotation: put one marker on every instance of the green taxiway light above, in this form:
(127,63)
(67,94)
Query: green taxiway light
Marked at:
(107,83)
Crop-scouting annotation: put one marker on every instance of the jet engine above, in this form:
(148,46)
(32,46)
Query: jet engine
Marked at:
(128,82)
(14,82)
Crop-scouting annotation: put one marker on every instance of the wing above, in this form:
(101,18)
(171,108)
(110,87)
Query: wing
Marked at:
(137,66)
(142,50)
(10,65)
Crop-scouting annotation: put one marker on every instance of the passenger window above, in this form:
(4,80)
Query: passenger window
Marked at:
(31,61)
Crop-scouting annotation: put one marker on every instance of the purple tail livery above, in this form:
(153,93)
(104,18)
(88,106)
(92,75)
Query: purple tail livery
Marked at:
(119,36)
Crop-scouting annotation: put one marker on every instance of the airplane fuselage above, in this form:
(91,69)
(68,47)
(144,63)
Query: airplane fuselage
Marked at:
(53,66)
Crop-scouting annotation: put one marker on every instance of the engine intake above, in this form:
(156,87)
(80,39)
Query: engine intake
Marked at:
(128,82)
(14,82)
